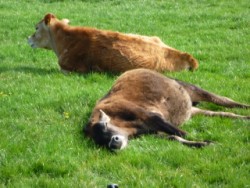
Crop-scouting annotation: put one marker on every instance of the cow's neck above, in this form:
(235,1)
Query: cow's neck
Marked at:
(53,43)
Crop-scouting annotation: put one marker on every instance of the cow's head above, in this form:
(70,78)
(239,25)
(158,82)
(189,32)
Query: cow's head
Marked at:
(104,133)
(41,38)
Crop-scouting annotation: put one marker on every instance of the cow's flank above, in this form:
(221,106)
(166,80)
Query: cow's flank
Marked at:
(142,101)
(84,49)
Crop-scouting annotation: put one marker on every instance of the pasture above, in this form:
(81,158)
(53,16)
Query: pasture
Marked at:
(42,111)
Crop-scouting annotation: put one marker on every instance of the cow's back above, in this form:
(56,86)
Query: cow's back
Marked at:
(154,92)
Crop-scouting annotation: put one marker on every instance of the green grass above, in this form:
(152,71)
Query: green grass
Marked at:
(42,111)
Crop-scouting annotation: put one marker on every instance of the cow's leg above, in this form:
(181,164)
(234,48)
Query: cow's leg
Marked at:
(197,144)
(156,123)
(196,111)
(66,72)
(197,95)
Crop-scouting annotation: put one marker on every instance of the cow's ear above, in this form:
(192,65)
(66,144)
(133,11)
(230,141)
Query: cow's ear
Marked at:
(48,18)
(66,21)
(104,117)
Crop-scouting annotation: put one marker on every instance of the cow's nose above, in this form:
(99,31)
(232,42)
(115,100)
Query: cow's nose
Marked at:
(115,138)
(115,142)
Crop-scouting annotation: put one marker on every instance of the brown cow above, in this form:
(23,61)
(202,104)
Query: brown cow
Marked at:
(145,102)
(84,49)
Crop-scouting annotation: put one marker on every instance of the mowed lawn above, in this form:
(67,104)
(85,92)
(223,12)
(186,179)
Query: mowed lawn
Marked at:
(42,111)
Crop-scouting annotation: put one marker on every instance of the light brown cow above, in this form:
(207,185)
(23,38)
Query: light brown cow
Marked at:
(84,49)
(142,101)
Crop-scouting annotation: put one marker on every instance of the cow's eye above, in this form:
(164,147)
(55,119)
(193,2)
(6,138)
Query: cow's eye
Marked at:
(104,125)
(101,127)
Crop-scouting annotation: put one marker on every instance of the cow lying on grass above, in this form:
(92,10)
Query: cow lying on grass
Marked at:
(145,102)
(84,49)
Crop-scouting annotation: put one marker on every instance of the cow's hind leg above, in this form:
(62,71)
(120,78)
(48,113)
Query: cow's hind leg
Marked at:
(197,95)
(196,144)
(197,111)
(178,61)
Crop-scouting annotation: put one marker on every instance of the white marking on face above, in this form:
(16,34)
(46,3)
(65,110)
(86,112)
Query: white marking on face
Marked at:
(31,43)
(41,37)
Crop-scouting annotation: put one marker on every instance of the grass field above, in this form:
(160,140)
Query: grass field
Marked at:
(43,111)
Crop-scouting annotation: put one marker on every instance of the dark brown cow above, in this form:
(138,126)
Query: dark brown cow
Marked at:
(84,49)
(145,102)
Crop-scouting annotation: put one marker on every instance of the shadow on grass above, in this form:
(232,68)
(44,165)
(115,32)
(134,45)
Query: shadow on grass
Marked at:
(26,69)
(43,71)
